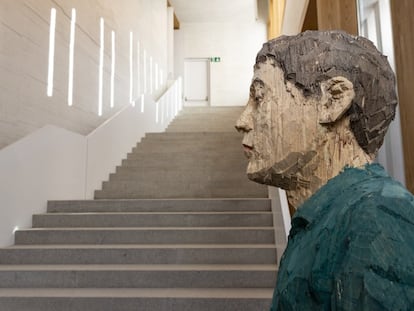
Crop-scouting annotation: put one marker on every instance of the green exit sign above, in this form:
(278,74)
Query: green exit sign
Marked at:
(215,59)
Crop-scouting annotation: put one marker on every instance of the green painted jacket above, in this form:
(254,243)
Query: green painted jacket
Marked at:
(351,247)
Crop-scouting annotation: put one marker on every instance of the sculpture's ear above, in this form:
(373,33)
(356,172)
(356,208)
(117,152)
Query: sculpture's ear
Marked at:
(337,95)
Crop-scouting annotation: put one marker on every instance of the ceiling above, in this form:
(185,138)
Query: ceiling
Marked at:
(214,11)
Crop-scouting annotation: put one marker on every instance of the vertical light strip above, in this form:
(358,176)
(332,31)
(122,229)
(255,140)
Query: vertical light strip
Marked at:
(142,103)
(174,109)
(138,70)
(176,98)
(71,55)
(131,72)
(156,111)
(145,71)
(168,103)
(162,108)
(156,76)
(161,77)
(150,63)
(51,52)
(113,69)
(101,61)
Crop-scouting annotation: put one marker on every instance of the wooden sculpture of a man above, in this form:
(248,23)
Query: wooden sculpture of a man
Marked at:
(320,105)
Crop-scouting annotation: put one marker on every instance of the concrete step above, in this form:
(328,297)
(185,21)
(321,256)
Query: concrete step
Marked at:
(194,189)
(226,126)
(101,236)
(140,254)
(182,175)
(212,109)
(137,276)
(223,146)
(230,165)
(209,127)
(176,180)
(177,219)
(124,299)
(190,135)
(185,154)
(159,205)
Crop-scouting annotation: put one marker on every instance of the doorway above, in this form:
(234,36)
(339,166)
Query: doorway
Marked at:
(197,82)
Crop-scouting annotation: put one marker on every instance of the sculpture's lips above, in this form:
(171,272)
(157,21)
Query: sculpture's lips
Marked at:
(248,150)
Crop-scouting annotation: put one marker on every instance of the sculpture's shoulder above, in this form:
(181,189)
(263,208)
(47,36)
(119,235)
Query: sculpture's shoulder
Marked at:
(356,189)
(350,245)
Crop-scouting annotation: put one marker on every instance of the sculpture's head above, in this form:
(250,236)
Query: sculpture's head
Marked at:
(308,91)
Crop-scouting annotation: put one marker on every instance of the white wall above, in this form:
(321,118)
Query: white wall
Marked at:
(24,44)
(48,164)
(236,43)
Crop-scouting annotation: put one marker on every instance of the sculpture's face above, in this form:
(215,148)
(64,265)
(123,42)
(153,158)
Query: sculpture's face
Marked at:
(279,127)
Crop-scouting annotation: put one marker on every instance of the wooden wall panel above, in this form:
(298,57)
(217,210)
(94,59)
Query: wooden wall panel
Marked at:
(276,12)
(311,17)
(402,12)
(337,14)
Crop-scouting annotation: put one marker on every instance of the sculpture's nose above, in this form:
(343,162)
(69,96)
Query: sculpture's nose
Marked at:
(245,124)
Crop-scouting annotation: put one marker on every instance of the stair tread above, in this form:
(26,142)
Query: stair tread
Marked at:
(163,213)
(140,267)
(146,228)
(162,200)
(236,293)
(141,246)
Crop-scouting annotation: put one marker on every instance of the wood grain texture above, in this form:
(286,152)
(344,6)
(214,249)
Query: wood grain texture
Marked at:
(311,17)
(337,15)
(276,12)
(319,101)
(402,15)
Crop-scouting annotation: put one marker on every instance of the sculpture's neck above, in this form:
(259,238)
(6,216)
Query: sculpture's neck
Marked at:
(335,149)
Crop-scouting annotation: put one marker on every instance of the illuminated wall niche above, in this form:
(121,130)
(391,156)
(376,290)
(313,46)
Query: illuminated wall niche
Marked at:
(71,56)
(101,63)
(51,62)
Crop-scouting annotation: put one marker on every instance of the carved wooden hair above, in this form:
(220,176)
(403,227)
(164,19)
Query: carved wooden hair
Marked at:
(315,56)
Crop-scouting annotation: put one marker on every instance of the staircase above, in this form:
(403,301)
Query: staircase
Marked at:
(178,227)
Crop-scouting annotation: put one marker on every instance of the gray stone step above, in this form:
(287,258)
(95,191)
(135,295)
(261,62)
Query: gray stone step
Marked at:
(214,163)
(160,205)
(193,126)
(137,276)
(178,152)
(192,189)
(250,235)
(220,146)
(192,136)
(139,254)
(124,299)
(181,175)
(197,127)
(177,179)
(178,219)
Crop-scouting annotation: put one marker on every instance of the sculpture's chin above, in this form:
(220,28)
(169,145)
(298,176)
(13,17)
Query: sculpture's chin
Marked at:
(286,174)
(267,177)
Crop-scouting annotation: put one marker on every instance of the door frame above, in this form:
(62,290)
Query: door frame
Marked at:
(198,59)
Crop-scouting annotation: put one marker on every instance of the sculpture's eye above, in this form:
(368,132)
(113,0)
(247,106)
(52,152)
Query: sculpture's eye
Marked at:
(257,91)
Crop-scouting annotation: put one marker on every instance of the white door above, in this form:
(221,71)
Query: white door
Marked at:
(196,82)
